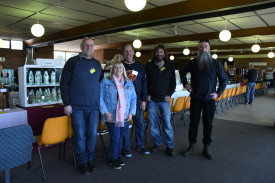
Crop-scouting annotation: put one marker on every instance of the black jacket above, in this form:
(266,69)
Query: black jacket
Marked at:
(204,82)
(160,82)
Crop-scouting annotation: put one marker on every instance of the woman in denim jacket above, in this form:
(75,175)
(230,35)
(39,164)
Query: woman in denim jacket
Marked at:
(117,105)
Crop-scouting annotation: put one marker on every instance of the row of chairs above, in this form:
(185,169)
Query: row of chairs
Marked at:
(182,104)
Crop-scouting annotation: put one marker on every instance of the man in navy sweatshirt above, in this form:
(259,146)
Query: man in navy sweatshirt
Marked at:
(136,73)
(204,73)
(80,94)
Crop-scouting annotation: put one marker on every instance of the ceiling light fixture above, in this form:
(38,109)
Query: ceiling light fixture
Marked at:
(255,48)
(215,56)
(271,54)
(172,57)
(186,51)
(137,43)
(135,5)
(225,35)
(230,59)
(37,29)
(138,54)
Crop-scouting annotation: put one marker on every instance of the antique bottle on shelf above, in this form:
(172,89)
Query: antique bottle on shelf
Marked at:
(54,96)
(41,95)
(46,78)
(30,78)
(30,97)
(53,79)
(59,95)
(37,96)
(38,78)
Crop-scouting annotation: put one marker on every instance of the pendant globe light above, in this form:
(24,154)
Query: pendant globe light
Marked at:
(137,43)
(271,54)
(215,56)
(172,57)
(138,54)
(37,29)
(255,48)
(230,59)
(186,51)
(225,35)
(135,5)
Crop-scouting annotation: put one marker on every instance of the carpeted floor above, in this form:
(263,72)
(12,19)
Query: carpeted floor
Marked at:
(245,153)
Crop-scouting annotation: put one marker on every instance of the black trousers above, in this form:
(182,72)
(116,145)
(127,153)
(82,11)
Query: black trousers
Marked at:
(207,107)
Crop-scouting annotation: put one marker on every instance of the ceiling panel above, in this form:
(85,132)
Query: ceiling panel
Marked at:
(196,28)
(248,22)
(269,19)
(73,15)
(94,8)
(266,11)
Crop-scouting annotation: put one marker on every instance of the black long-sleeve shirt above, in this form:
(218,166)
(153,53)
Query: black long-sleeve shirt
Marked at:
(204,83)
(160,81)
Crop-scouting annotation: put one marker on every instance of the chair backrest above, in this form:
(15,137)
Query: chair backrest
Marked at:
(15,146)
(229,93)
(244,88)
(171,103)
(263,85)
(224,94)
(70,133)
(187,103)
(179,105)
(145,116)
(55,130)
(234,92)
(238,92)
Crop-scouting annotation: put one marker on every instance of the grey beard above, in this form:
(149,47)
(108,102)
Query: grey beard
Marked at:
(204,61)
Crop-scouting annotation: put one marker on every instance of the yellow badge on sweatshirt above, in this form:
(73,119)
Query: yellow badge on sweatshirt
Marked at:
(162,68)
(92,70)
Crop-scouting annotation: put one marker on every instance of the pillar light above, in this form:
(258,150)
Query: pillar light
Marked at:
(138,54)
(215,56)
(172,57)
(271,54)
(135,5)
(255,48)
(230,59)
(225,35)
(137,43)
(37,29)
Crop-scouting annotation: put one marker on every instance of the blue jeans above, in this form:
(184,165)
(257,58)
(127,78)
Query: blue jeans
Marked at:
(85,124)
(250,92)
(116,136)
(139,130)
(165,111)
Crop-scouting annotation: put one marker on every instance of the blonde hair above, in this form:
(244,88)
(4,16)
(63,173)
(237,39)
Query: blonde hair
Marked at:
(124,71)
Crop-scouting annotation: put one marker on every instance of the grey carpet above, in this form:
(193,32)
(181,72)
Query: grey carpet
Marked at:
(245,153)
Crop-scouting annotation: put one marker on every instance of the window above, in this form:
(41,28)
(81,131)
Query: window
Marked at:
(6,44)
(17,45)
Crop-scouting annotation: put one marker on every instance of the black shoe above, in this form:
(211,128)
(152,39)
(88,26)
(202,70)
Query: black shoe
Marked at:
(121,163)
(143,151)
(84,169)
(91,166)
(207,153)
(190,150)
(170,152)
(155,149)
(115,164)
